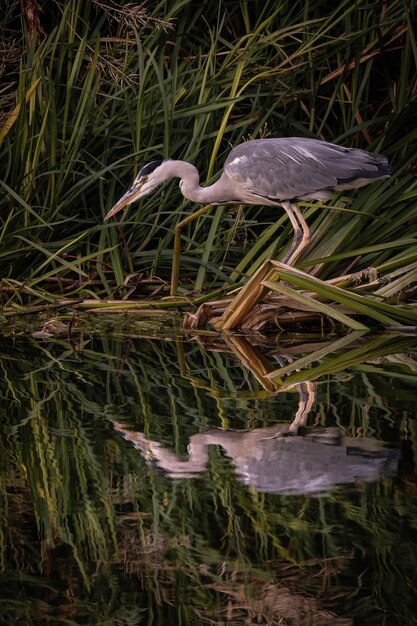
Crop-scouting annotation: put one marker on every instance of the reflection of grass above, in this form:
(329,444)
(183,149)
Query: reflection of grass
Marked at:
(369,349)
(81,506)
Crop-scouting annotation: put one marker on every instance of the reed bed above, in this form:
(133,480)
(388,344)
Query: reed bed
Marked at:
(92,90)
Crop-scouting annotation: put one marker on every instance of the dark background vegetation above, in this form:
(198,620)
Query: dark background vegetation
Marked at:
(92,90)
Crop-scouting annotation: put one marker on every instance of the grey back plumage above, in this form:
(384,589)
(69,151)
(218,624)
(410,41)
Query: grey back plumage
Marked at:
(301,168)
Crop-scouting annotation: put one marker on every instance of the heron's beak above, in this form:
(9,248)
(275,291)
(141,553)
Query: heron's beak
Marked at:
(134,193)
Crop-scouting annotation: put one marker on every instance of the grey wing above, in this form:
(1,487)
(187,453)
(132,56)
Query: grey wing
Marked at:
(285,169)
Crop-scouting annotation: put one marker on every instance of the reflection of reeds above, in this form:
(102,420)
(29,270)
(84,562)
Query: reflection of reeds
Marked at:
(75,499)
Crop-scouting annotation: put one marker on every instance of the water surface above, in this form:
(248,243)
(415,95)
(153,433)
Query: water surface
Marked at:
(165,481)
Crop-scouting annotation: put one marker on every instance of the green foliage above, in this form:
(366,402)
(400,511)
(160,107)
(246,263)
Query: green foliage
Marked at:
(93,90)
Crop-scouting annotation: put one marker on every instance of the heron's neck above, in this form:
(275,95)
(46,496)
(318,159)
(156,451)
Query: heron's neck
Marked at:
(190,184)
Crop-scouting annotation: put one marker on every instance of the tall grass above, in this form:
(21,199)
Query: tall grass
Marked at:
(94,90)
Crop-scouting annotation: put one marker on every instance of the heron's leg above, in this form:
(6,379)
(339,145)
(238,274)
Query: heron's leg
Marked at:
(307,396)
(302,234)
(175,269)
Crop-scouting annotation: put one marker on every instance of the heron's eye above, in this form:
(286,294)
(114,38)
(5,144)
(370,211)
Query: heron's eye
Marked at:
(144,179)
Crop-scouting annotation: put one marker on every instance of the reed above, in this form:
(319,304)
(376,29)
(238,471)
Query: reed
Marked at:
(91,91)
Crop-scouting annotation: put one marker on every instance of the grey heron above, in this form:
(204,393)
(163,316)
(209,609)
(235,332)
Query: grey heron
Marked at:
(275,172)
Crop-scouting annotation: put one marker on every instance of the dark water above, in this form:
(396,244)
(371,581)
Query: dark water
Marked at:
(152,481)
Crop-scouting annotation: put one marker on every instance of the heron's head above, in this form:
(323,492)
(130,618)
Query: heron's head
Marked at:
(149,177)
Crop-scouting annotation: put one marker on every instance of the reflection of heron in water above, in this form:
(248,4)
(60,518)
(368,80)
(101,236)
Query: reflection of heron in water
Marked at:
(277,459)
(269,461)
(286,457)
